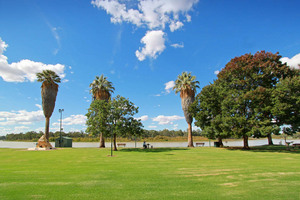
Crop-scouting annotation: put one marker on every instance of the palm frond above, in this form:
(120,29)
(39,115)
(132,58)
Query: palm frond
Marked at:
(48,76)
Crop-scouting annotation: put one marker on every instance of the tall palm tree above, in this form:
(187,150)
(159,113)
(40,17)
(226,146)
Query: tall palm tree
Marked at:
(101,89)
(187,85)
(49,80)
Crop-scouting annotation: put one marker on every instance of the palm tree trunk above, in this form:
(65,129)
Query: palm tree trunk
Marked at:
(270,139)
(47,128)
(190,136)
(246,146)
(102,141)
(115,142)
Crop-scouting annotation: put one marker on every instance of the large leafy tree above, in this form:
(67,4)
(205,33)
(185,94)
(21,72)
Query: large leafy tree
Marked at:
(207,111)
(101,89)
(286,100)
(187,85)
(250,81)
(115,115)
(49,80)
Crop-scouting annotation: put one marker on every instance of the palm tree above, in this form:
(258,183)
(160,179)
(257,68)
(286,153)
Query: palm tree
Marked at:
(101,89)
(49,87)
(186,85)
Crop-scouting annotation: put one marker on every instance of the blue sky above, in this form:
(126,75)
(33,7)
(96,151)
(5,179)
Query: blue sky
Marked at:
(141,46)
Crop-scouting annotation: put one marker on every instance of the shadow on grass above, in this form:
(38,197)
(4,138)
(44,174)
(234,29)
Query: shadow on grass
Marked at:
(155,150)
(268,148)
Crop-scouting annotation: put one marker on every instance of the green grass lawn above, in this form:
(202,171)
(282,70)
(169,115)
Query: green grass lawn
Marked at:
(163,173)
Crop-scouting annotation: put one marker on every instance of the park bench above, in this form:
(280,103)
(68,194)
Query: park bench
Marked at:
(121,144)
(198,144)
(296,145)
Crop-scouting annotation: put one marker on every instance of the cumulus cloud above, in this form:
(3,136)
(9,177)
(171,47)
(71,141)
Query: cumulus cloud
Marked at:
(175,25)
(24,70)
(154,42)
(143,118)
(163,120)
(153,14)
(216,72)
(72,120)
(21,117)
(168,86)
(292,62)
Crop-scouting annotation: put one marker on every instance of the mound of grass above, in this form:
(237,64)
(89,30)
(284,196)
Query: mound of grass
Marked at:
(162,173)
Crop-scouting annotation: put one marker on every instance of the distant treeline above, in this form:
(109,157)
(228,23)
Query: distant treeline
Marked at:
(80,136)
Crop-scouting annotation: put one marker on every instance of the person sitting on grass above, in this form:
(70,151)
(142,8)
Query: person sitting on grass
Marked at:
(144,145)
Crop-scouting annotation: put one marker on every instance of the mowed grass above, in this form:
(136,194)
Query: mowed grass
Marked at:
(163,173)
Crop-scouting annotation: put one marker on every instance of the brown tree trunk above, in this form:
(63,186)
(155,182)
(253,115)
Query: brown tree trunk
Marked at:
(220,142)
(246,146)
(190,136)
(115,142)
(270,142)
(47,128)
(102,141)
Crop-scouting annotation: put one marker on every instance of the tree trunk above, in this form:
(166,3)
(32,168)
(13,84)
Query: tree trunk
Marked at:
(47,128)
(220,142)
(102,141)
(190,136)
(246,146)
(115,142)
(270,142)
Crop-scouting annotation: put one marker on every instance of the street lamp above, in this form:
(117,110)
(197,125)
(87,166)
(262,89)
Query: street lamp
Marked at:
(60,139)
(111,131)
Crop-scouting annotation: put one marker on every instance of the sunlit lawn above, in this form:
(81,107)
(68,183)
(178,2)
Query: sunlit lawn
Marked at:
(164,173)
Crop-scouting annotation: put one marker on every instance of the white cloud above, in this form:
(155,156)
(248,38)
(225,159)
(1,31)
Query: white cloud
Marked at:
(143,118)
(176,45)
(21,117)
(169,86)
(292,62)
(216,72)
(163,120)
(72,120)
(175,25)
(152,126)
(25,70)
(154,42)
(153,14)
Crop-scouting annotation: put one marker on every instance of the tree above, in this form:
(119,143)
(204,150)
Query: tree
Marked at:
(207,111)
(286,99)
(49,91)
(249,81)
(115,115)
(101,89)
(187,85)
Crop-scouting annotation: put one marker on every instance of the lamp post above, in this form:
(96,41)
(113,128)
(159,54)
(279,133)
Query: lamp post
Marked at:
(60,129)
(111,131)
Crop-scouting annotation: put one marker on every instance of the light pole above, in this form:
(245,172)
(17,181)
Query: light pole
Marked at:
(111,131)
(60,139)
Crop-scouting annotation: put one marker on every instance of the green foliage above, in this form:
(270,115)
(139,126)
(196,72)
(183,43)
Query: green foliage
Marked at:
(286,100)
(186,81)
(98,118)
(117,115)
(207,111)
(48,76)
(241,102)
(101,83)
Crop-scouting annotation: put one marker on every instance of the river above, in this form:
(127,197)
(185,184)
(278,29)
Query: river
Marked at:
(238,143)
